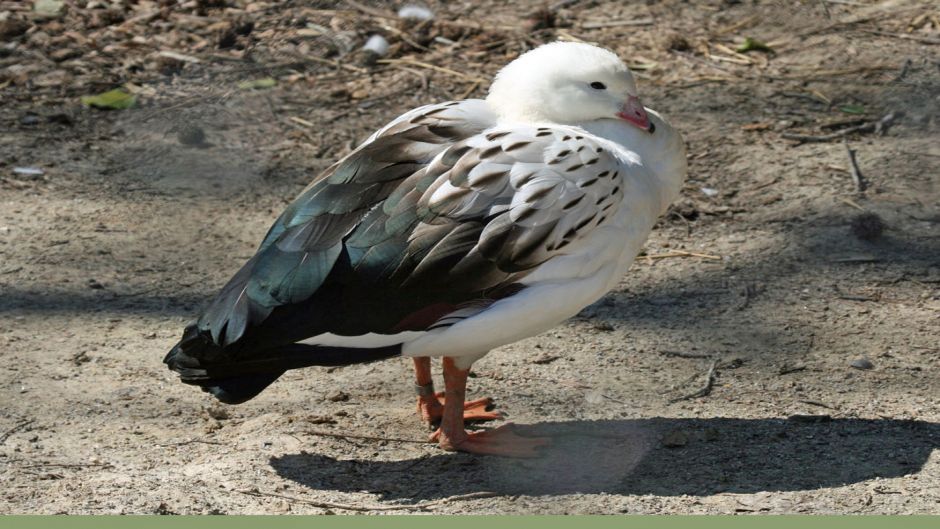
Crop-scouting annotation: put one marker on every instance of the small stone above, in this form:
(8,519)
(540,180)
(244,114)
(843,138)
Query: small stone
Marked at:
(28,172)
(29,120)
(862,363)
(339,396)
(675,439)
(94,284)
(191,134)
(415,12)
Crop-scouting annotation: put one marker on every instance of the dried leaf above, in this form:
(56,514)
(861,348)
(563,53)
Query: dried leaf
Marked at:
(750,44)
(116,99)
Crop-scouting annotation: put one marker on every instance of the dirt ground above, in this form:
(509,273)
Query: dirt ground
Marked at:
(776,351)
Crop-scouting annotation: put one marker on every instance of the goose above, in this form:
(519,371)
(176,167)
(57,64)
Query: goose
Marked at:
(455,229)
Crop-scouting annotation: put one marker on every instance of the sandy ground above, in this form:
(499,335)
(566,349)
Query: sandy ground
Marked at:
(821,345)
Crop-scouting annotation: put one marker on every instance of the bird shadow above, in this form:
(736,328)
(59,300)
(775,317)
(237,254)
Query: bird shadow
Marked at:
(660,456)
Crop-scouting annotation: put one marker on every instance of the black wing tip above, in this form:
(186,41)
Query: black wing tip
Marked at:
(236,390)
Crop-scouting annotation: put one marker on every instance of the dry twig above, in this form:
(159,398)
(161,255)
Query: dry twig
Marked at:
(705,389)
(872,126)
(598,24)
(191,441)
(19,426)
(915,38)
(682,354)
(681,253)
(853,165)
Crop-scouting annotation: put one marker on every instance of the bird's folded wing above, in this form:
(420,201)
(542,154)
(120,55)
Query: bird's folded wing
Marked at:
(438,215)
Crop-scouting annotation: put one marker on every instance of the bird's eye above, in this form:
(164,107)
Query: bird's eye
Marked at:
(597,85)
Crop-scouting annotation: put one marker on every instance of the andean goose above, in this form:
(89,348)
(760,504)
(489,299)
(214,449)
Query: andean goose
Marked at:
(456,228)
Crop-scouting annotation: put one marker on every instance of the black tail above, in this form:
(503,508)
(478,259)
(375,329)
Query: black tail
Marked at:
(236,378)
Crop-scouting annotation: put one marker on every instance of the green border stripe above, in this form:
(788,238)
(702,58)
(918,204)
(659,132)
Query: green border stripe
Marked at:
(474,522)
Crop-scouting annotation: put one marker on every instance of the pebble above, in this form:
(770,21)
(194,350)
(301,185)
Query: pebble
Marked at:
(862,363)
(191,135)
(415,12)
(28,171)
(29,119)
(339,396)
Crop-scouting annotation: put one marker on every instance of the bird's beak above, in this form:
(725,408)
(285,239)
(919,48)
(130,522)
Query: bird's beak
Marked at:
(633,112)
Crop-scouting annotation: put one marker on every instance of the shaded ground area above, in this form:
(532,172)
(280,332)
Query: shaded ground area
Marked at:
(773,352)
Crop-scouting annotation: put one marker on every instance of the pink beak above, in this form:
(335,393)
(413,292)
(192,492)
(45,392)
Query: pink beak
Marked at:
(634,113)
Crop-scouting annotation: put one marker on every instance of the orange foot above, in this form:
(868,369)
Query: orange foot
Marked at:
(501,441)
(431,409)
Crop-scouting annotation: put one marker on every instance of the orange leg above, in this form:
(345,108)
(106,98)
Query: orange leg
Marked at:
(452,436)
(431,404)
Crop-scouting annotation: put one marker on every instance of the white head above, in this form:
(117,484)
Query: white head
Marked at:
(568,83)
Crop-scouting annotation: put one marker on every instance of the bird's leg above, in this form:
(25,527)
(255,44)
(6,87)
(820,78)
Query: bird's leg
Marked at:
(431,404)
(452,436)
(429,408)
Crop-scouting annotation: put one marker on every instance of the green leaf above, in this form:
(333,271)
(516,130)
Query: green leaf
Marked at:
(852,109)
(267,82)
(750,44)
(116,99)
